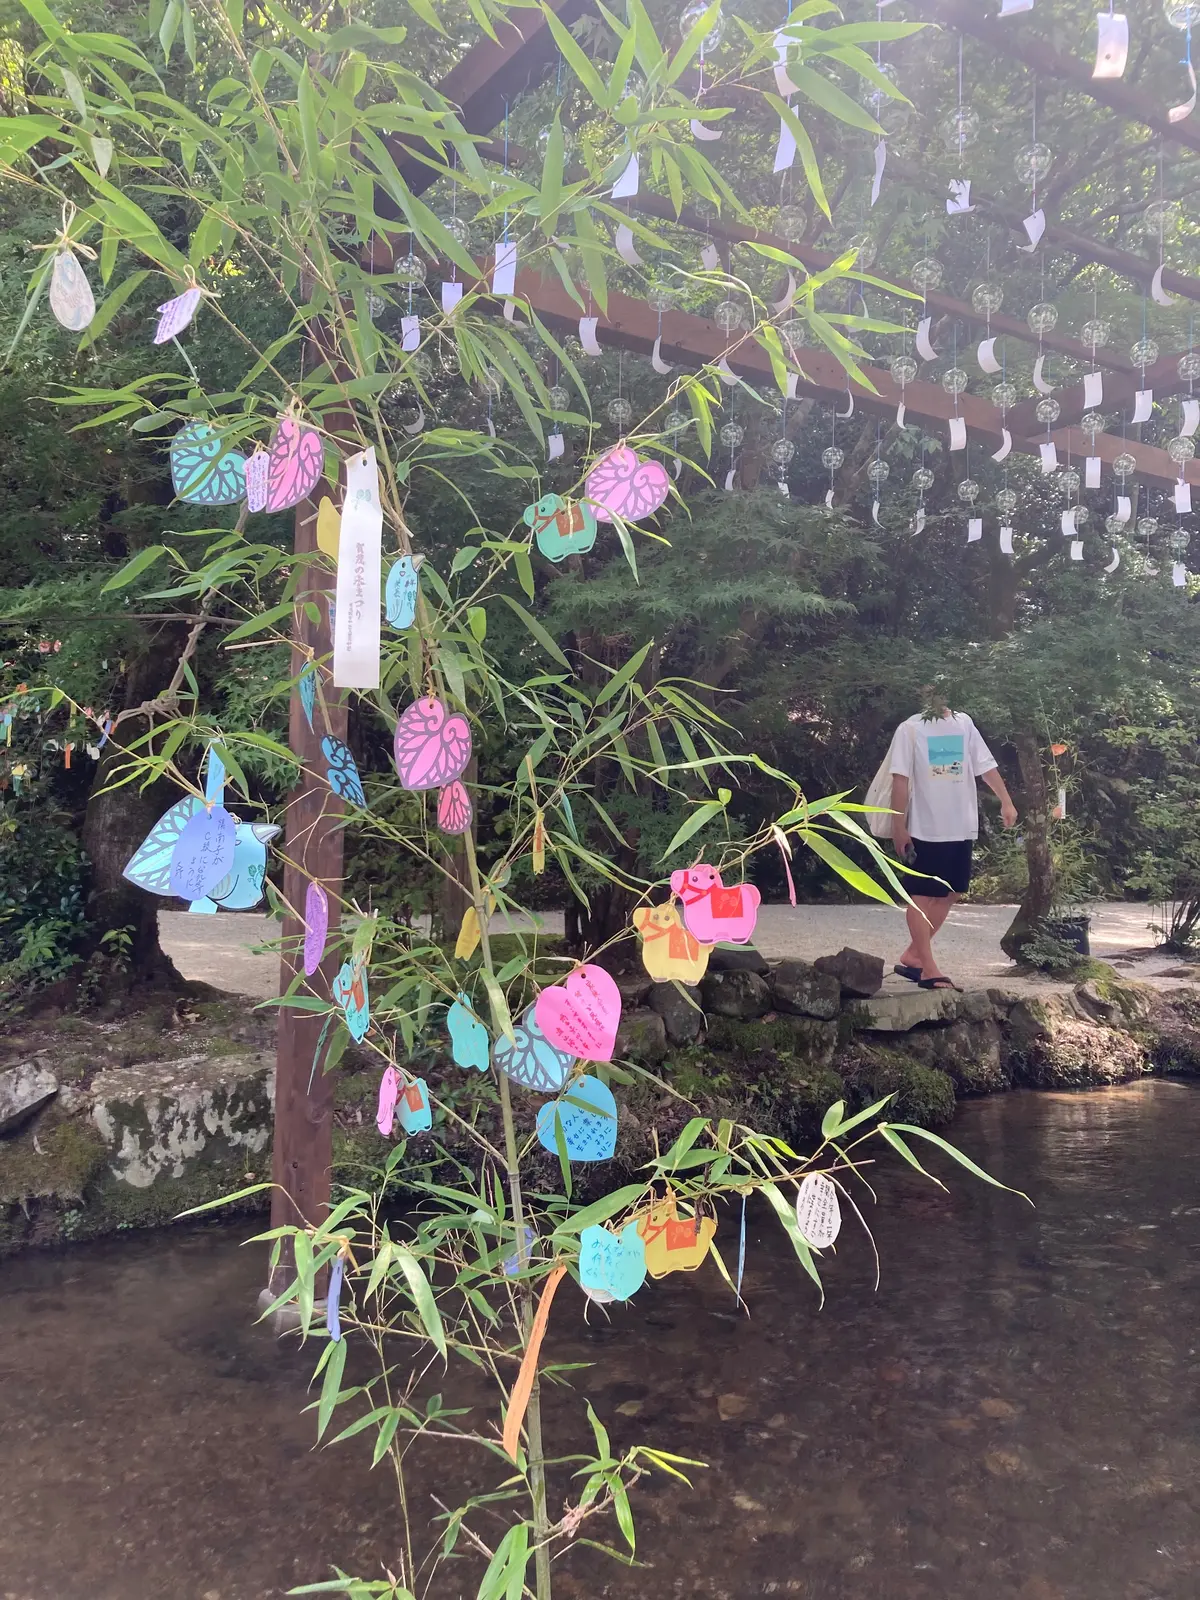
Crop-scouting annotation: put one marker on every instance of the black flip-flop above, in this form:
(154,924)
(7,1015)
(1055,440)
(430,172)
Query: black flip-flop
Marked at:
(940,982)
(913,974)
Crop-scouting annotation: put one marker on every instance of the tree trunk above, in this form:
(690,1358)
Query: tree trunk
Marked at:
(1035,818)
(116,822)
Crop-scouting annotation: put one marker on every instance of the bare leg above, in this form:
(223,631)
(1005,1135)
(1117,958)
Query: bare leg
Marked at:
(925,916)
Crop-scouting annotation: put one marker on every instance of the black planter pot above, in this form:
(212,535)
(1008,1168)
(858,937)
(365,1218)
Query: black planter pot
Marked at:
(1071,931)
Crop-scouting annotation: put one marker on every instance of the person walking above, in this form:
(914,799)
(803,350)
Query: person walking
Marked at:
(936,758)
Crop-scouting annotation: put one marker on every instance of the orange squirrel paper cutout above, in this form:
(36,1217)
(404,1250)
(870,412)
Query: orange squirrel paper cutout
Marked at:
(669,951)
(674,1243)
(518,1400)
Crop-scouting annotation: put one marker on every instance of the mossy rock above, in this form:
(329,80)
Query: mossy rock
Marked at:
(923,1095)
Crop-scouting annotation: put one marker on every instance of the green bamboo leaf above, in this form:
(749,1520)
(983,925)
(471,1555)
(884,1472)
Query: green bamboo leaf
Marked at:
(955,1154)
(134,567)
(537,630)
(700,817)
(331,1384)
(422,1294)
(843,866)
(791,1227)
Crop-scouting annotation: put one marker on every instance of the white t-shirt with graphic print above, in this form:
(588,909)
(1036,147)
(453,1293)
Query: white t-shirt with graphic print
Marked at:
(941,760)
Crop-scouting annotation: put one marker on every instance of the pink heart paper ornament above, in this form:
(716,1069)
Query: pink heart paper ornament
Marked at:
(295,462)
(622,485)
(316,926)
(454,811)
(258,471)
(431,747)
(580,1016)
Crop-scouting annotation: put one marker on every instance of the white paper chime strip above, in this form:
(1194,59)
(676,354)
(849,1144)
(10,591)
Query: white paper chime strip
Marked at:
(554,445)
(1049,453)
(1035,227)
(504,278)
(849,411)
(789,294)
(1091,472)
(587,335)
(919,520)
(958,201)
(900,415)
(986,356)
(726,373)
(452,293)
(1124,509)
(1183,497)
(410,333)
(414,428)
(783,488)
(1039,383)
(1076,549)
(1191,418)
(782,82)
(701,131)
(1157,293)
(627,184)
(958,433)
(1112,44)
(785,150)
(1093,390)
(1183,112)
(1012,8)
(625,245)
(1178,574)
(1115,562)
(924,347)
(676,466)
(875,513)
(656,361)
(1006,541)
(710,257)
(1005,449)
(880,163)
(729,477)
(1143,405)
(974,530)
(1067,522)
(829,499)
(793,378)
(360,555)
(510,311)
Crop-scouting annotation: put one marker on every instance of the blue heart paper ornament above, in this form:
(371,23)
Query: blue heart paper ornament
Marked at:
(612,1263)
(413,1108)
(352,994)
(470,1044)
(203,471)
(530,1059)
(587,1114)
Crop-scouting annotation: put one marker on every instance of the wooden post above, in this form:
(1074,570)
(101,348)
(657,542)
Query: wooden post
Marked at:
(312,850)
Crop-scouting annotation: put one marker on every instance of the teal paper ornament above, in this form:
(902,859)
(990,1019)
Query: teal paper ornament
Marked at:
(612,1263)
(470,1044)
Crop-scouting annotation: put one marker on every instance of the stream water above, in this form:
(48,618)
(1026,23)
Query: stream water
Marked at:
(1012,1416)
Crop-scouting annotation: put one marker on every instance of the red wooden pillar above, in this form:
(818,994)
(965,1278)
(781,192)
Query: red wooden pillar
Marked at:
(312,850)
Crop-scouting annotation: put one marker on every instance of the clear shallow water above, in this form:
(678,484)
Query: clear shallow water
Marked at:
(1013,1416)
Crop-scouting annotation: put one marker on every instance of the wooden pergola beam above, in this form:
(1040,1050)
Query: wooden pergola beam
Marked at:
(632,325)
(1013,37)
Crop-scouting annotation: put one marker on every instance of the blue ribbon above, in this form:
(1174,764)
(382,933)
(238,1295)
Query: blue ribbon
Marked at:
(333,1295)
(741,1250)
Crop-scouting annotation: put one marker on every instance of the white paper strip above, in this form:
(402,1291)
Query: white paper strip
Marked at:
(1091,472)
(360,554)
(974,530)
(656,361)
(849,411)
(959,199)
(1076,549)
(1183,497)
(1039,383)
(958,433)
(1067,522)
(1191,418)
(924,348)
(1006,539)
(1178,574)
(880,163)
(1124,509)
(1112,45)
(729,480)
(1115,562)
(676,466)
(900,415)
(1035,227)
(793,378)
(781,484)
(587,335)
(510,311)
(785,150)
(626,185)
(710,257)
(701,131)
(1183,112)
(504,278)
(1005,446)
(1049,452)
(1143,405)
(1010,8)
(554,445)
(782,82)
(414,428)
(919,520)
(491,428)
(1157,293)
(986,356)
(1060,810)
(452,293)
(410,333)
(829,499)
(726,373)
(789,294)
(1093,390)
(625,246)
(875,513)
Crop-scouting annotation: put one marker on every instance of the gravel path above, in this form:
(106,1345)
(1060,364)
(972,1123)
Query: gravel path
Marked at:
(220,950)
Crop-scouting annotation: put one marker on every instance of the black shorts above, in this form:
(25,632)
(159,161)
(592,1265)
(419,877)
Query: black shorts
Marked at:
(948,859)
